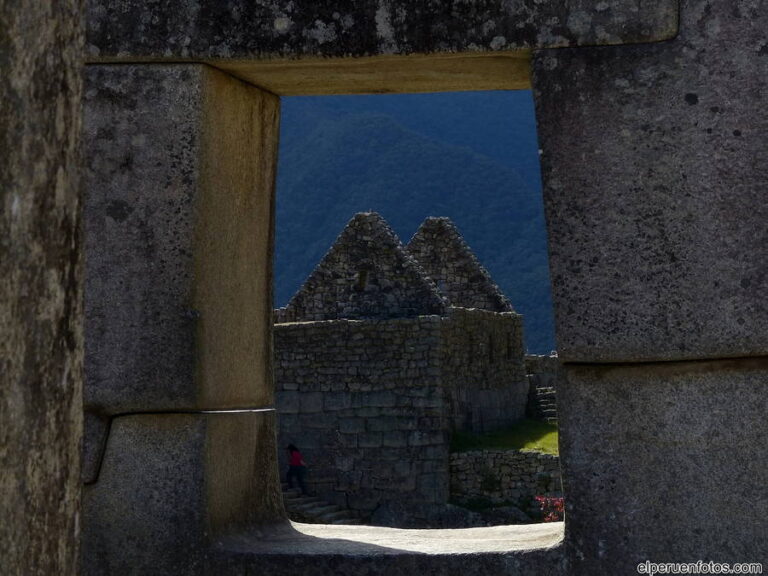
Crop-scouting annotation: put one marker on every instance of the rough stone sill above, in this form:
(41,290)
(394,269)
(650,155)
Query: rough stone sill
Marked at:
(320,539)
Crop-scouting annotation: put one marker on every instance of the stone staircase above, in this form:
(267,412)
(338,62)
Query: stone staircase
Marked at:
(543,402)
(314,510)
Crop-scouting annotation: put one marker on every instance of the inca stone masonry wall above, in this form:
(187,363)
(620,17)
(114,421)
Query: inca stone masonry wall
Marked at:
(364,403)
(366,274)
(483,370)
(666,267)
(545,375)
(504,476)
(371,404)
(41,337)
(448,261)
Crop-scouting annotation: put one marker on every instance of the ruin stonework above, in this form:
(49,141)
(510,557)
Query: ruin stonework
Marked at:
(41,287)
(372,401)
(365,274)
(545,375)
(498,477)
(651,119)
(654,166)
(178,363)
(441,251)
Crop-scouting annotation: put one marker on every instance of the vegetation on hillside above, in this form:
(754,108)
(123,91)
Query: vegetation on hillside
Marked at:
(472,158)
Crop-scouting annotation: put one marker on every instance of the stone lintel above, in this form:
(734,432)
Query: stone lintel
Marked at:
(325,47)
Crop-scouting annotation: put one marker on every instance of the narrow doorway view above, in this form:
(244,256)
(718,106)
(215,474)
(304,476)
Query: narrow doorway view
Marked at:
(415,365)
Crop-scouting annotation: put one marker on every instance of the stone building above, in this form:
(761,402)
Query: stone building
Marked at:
(650,119)
(376,365)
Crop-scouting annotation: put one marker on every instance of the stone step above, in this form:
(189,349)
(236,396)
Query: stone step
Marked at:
(304,501)
(313,509)
(316,509)
(331,517)
(308,505)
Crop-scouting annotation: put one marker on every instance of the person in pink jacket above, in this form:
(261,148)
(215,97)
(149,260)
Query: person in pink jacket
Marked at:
(297,468)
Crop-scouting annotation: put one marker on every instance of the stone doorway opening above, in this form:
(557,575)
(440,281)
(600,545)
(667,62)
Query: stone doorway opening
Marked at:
(178,333)
(361,371)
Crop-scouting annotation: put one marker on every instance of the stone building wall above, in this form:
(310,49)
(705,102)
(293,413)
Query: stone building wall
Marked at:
(366,274)
(545,376)
(447,259)
(482,369)
(504,477)
(371,403)
(363,402)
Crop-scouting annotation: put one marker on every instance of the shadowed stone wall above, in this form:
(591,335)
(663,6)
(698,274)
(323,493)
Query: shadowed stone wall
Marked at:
(364,403)
(504,476)
(366,274)
(655,165)
(448,261)
(40,287)
(180,435)
(371,404)
(482,369)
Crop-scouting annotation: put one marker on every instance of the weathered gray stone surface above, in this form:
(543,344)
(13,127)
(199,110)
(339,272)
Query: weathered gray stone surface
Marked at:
(482,369)
(178,232)
(496,476)
(242,29)
(96,432)
(40,286)
(365,274)
(665,462)
(655,165)
(447,259)
(365,550)
(545,375)
(172,483)
(371,404)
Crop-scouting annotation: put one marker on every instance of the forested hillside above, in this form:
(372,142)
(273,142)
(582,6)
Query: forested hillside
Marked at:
(471,157)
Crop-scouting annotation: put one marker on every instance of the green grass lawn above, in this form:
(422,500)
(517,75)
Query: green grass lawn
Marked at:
(523,435)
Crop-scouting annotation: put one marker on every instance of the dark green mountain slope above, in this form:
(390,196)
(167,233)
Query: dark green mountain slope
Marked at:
(337,162)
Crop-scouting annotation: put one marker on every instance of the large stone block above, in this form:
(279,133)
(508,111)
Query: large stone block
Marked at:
(178,226)
(41,286)
(655,164)
(665,462)
(310,47)
(170,484)
(239,29)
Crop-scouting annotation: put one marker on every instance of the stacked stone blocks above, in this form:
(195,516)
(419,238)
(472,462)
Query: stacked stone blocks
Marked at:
(498,477)
(179,439)
(372,400)
(652,165)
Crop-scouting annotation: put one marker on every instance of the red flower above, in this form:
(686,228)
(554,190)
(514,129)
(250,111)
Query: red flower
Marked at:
(552,507)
